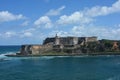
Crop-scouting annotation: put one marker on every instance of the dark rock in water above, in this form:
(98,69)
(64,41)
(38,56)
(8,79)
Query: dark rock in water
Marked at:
(11,54)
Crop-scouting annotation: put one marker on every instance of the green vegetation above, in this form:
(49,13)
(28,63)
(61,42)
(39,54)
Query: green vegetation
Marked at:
(99,47)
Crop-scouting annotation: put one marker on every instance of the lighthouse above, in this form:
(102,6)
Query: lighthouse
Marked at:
(57,40)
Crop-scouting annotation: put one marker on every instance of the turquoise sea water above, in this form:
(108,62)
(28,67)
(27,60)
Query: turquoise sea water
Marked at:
(58,68)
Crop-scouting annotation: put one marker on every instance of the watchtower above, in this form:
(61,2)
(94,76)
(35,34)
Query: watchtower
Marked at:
(57,40)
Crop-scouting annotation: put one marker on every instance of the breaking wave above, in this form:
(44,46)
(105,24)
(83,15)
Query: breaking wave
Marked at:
(3,57)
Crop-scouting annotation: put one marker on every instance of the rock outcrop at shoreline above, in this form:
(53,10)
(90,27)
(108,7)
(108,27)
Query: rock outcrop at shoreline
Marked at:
(72,46)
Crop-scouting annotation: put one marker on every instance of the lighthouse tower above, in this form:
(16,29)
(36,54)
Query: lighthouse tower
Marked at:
(57,40)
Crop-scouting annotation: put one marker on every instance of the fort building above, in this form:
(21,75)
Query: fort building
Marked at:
(69,44)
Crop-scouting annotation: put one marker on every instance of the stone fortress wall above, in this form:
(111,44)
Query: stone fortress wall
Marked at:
(56,44)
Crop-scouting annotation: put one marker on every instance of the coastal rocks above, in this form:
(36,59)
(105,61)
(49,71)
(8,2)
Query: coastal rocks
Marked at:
(34,49)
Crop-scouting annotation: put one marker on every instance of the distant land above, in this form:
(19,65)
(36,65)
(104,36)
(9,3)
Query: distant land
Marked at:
(71,46)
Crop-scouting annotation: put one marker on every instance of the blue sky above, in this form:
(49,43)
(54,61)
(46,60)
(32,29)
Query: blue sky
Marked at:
(31,21)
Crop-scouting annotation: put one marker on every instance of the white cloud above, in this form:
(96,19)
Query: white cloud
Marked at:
(7,16)
(59,33)
(78,30)
(54,12)
(104,10)
(26,34)
(20,34)
(88,15)
(100,31)
(29,30)
(118,25)
(80,19)
(25,23)
(74,18)
(9,34)
(43,21)
(83,19)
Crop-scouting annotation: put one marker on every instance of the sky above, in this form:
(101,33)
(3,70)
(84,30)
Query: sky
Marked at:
(31,21)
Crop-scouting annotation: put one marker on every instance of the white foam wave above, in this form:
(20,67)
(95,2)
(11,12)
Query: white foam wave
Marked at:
(47,57)
(52,57)
(3,57)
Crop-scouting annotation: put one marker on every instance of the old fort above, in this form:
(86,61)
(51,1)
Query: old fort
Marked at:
(70,45)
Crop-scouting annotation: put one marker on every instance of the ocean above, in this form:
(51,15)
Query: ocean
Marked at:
(57,67)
